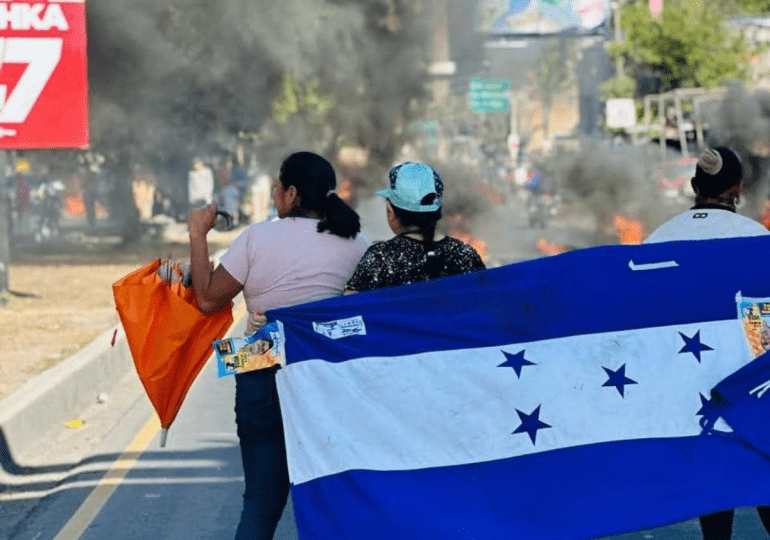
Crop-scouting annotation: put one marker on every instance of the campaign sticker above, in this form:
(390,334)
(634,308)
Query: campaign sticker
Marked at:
(754,316)
(354,326)
(261,350)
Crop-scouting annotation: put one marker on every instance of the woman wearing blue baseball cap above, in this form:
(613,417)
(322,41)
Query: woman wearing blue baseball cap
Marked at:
(413,199)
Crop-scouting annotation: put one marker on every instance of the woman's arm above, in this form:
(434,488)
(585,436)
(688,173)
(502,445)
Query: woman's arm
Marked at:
(213,289)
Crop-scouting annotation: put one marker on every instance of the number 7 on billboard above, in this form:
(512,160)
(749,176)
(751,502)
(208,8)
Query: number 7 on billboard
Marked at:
(43,74)
(42,55)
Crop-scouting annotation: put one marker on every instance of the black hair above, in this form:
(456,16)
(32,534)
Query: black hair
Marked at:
(730,175)
(426,225)
(314,179)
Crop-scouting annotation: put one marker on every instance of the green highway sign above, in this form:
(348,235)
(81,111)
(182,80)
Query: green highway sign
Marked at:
(489,95)
(478,84)
(496,104)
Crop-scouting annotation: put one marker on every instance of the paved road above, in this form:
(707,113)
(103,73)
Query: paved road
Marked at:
(189,490)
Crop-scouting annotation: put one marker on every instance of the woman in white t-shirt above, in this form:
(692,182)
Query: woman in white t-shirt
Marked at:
(307,255)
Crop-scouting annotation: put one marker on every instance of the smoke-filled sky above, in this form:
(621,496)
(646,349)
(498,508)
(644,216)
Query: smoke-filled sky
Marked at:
(179,76)
(188,71)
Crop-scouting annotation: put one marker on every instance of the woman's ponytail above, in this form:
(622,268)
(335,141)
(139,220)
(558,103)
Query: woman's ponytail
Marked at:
(433,263)
(339,218)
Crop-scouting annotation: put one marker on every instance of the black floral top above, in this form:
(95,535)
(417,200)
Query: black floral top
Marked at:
(402,259)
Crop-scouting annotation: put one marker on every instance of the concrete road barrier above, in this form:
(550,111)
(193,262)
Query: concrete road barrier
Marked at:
(61,393)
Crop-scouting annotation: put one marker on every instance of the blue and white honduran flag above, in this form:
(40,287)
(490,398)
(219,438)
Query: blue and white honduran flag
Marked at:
(567,397)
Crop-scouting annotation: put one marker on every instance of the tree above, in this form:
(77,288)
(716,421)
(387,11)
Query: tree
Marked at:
(619,87)
(300,113)
(750,6)
(688,46)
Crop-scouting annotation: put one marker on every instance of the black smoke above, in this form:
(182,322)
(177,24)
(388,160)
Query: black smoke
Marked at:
(185,76)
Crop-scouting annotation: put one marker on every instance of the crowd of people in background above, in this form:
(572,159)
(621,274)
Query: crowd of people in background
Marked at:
(38,194)
(97,187)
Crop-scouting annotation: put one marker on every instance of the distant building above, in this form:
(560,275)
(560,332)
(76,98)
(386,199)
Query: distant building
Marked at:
(756,30)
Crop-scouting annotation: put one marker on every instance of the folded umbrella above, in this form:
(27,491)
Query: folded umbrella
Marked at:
(169,338)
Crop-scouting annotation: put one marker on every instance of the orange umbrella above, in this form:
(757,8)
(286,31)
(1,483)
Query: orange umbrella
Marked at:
(170,339)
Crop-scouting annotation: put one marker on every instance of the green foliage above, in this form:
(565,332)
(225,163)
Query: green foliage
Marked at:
(296,97)
(618,87)
(753,6)
(688,46)
(738,8)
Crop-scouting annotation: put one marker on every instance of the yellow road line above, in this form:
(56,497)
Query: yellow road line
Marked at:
(97,499)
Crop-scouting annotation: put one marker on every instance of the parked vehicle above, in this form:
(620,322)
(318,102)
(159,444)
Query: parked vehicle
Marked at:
(674,178)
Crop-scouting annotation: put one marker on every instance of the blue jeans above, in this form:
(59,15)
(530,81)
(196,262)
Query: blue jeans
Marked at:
(258,417)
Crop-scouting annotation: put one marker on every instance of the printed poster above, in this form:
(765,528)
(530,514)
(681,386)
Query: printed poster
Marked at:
(754,316)
(261,350)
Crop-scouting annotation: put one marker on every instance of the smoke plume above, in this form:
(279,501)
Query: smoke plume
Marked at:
(190,73)
(741,120)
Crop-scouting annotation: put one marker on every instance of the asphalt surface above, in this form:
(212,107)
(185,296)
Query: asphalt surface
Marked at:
(191,489)
(103,481)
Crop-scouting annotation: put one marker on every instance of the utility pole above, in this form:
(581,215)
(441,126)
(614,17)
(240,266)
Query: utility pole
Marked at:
(5,233)
(619,68)
(441,53)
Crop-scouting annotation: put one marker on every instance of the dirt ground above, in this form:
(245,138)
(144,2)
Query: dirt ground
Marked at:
(62,294)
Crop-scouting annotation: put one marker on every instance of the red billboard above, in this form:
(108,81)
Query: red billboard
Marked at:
(43,74)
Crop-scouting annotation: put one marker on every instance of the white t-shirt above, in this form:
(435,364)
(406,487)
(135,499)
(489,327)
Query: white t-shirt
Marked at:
(286,262)
(705,224)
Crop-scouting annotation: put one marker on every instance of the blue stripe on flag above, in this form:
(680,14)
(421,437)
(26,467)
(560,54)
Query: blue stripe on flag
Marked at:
(740,383)
(580,292)
(584,492)
(737,400)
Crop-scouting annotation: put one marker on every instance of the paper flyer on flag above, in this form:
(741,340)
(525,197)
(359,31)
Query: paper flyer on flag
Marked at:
(754,315)
(260,350)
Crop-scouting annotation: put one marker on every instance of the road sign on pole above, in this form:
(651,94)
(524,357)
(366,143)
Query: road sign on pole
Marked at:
(620,113)
(489,95)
